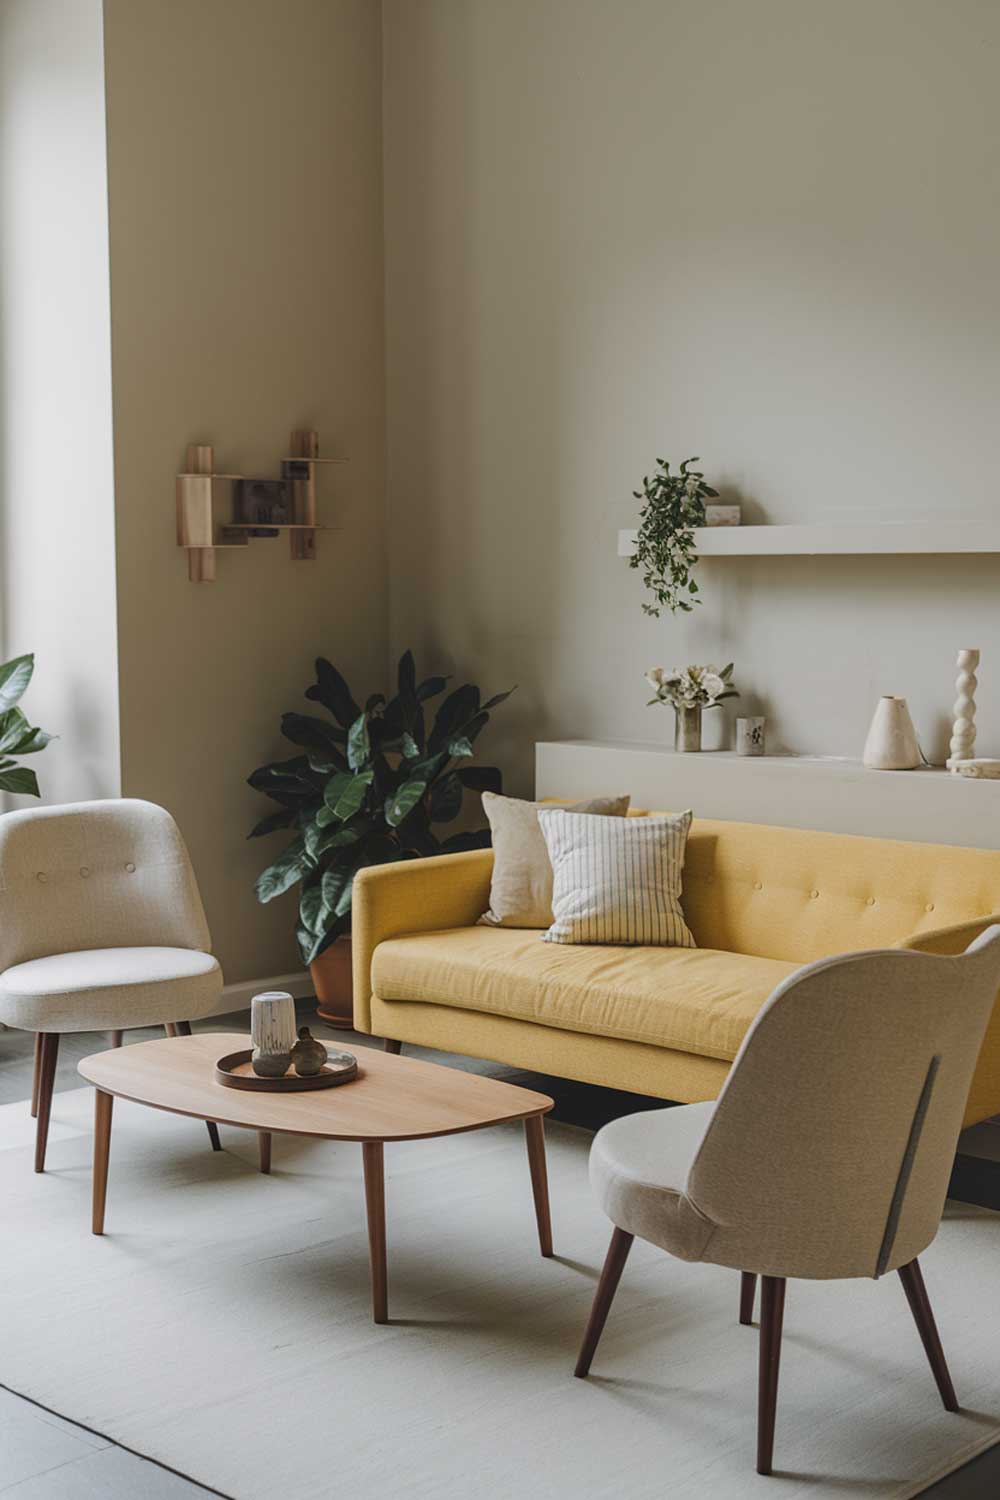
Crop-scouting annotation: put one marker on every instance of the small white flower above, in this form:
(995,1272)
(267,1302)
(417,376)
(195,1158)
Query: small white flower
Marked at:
(655,677)
(712,684)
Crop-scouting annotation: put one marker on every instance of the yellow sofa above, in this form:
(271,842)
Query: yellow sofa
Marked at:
(660,1021)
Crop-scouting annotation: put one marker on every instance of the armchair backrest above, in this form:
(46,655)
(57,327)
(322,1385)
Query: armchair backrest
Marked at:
(831,1146)
(112,874)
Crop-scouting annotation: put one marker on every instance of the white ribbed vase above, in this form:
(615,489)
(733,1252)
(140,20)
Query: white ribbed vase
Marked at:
(272,1032)
(892,740)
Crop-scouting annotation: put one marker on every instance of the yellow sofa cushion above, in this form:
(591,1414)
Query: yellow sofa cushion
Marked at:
(693,1000)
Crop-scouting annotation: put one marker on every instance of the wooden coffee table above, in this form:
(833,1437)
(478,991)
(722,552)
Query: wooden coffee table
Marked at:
(393,1099)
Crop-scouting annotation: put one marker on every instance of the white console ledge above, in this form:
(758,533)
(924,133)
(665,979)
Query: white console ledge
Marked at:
(901,537)
(791,791)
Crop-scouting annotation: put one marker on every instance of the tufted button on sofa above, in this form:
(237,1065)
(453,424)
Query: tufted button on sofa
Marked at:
(760,901)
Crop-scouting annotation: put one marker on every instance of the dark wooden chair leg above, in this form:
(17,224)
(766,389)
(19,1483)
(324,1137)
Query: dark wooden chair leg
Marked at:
(38,1075)
(46,1081)
(117,1037)
(614,1265)
(772,1312)
(183,1028)
(392,1046)
(916,1295)
(748,1291)
(103,1109)
(264,1137)
(374,1165)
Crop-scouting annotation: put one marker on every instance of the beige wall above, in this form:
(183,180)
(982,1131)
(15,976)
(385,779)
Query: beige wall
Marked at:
(764,233)
(246,274)
(57,564)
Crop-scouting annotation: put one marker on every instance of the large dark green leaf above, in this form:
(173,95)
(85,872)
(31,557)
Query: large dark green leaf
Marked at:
(358,743)
(332,691)
(19,779)
(453,714)
(281,819)
(14,678)
(345,793)
(459,842)
(407,676)
(17,736)
(313,733)
(403,801)
(321,838)
(430,687)
(286,871)
(497,699)
(480,778)
(460,747)
(446,798)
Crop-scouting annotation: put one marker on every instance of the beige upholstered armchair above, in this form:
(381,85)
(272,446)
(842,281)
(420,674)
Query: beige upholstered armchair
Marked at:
(826,1155)
(101,928)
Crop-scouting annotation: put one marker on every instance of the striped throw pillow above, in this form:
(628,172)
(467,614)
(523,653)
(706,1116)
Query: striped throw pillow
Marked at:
(617,880)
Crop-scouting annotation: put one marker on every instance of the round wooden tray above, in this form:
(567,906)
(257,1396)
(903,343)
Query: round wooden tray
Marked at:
(235,1072)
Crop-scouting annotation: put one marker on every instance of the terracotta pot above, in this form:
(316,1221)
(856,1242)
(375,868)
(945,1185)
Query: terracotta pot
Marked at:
(334,984)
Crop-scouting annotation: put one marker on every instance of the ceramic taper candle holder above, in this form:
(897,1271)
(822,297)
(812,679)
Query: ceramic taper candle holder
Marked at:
(272,1033)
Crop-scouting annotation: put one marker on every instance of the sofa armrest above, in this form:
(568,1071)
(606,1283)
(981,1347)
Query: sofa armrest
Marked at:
(950,940)
(984,1095)
(416,895)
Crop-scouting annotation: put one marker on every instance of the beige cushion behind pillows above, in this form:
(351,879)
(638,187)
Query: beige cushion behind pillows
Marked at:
(617,881)
(521,887)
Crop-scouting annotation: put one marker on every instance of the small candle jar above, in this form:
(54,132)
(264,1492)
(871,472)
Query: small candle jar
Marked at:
(272,1033)
(750,736)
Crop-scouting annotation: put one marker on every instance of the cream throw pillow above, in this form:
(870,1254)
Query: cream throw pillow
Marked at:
(521,888)
(617,880)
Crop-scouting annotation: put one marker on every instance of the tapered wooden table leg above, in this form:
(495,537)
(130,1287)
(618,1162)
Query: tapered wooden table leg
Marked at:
(374,1162)
(38,1075)
(103,1106)
(183,1028)
(117,1037)
(534,1131)
(265,1150)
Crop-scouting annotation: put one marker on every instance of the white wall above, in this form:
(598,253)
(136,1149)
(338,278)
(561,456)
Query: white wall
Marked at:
(765,234)
(57,553)
(244,164)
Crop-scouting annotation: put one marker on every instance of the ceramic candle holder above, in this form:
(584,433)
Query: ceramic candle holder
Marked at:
(272,1033)
(750,736)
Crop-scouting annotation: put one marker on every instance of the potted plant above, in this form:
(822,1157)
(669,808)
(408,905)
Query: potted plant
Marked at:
(688,690)
(664,549)
(366,789)
(17,736)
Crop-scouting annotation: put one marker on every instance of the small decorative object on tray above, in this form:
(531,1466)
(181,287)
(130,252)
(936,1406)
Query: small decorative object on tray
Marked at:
(272,1032)
(308,1055)
(238,1070)
(979,769)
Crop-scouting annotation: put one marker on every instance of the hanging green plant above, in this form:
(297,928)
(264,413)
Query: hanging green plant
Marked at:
(674,506)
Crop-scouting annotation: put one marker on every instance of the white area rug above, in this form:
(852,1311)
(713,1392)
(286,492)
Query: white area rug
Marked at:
(222,1326)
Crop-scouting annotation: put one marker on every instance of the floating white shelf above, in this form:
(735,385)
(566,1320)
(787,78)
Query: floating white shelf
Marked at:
(900,537)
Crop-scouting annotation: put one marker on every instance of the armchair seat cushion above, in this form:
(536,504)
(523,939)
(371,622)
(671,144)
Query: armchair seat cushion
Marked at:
(696,1000)
(110,988)
(639,1169)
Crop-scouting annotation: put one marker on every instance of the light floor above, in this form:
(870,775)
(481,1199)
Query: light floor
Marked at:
(44,1457)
